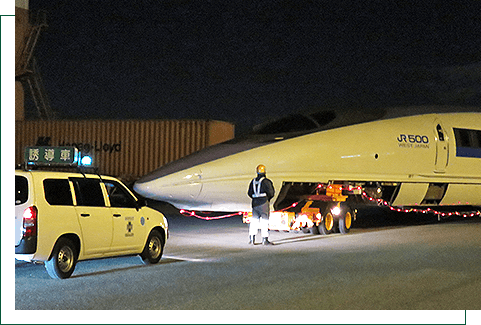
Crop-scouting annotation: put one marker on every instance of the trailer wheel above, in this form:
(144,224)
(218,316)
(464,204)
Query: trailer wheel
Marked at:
(315,230)
(345,222)
(305,230)
(327,225)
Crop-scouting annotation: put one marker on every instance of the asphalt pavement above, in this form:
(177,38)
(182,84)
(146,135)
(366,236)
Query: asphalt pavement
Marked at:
(384,263)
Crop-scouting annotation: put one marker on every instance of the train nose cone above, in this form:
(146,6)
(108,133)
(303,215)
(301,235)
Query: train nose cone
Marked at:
(145,189)
(174,188)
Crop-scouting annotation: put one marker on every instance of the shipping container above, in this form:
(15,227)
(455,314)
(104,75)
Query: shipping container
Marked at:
(126,149)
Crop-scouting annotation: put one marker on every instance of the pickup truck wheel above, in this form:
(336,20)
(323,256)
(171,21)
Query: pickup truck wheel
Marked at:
(153,248)
(63,260)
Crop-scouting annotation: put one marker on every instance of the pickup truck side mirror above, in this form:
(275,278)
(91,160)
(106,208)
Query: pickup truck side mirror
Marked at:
(140,203)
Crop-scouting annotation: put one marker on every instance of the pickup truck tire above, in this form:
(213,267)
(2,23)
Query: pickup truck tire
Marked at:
(153,248)
(63,260)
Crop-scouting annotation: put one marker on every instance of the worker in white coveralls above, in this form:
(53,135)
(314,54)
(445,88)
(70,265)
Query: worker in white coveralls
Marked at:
(261,191)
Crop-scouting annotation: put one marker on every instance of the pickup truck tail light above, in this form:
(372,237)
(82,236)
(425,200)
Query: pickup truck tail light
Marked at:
(30,221)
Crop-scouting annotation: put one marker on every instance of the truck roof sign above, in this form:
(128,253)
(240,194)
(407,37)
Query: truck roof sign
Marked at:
(49,156)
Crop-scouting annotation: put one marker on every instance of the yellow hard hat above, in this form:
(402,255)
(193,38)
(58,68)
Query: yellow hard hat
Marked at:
(261,169)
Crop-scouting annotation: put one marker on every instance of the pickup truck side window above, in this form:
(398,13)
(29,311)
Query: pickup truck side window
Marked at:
(118,196)
(21,190)
(88,192)
(57,192)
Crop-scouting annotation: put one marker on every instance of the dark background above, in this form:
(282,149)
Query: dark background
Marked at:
(247,61)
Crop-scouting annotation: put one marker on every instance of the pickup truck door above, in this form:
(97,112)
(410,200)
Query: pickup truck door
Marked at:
(128,223)
(93,216)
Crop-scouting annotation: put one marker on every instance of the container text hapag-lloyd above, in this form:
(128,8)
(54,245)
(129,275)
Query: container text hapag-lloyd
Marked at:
(97,146)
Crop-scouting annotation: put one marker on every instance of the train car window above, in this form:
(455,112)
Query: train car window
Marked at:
(462,137)
(291,123)
(467,138)
(468,143)
(323,118)
(476,139)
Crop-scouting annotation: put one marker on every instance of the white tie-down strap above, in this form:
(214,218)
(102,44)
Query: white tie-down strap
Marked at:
(256,185)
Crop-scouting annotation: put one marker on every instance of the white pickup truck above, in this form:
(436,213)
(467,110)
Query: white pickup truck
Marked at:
(65,217)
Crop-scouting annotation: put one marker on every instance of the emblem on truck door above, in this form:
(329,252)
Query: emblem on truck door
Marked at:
(130,226)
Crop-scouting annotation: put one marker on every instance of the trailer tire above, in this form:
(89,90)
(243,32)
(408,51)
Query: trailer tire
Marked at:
(315,230)
(345,222)
(327,225)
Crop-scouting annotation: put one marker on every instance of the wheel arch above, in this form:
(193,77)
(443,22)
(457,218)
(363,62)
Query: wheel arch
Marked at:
(74,238)
(162,232)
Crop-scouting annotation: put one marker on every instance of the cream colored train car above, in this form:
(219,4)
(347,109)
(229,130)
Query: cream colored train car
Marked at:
(398,156)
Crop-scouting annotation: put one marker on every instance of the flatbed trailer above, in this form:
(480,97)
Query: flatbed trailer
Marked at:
(324,212)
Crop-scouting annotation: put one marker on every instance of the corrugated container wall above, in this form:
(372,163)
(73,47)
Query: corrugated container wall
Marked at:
(127,149)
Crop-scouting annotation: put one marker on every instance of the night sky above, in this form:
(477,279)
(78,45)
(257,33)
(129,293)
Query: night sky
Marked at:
(246,61)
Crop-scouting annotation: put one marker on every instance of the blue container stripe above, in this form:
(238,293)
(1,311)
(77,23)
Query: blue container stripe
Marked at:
(468,152)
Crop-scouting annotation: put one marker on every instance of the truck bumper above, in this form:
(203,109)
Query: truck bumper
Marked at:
(26,246)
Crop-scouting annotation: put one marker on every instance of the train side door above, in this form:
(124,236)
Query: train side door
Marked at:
(442,148)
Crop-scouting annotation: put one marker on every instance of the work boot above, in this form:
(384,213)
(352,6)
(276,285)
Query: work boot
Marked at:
(252,240)
(265,241)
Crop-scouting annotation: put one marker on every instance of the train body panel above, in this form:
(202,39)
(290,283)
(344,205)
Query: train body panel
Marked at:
(426,160)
